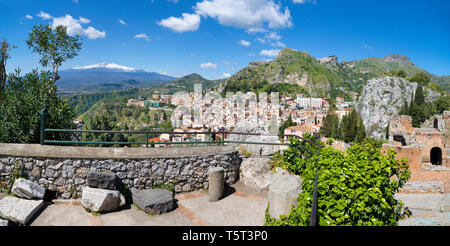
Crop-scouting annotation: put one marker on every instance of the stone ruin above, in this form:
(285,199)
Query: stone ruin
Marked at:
(426,149)
(401,132)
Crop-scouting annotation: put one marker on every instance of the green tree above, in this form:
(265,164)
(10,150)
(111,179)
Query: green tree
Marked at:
(401,73)
(442,104)
(22,99)
(355,188)
(286,124)
(361,131)
(54,46)
(4,56)
(417,108)
(330,122)
(419,98)
(101,121)
(421,77)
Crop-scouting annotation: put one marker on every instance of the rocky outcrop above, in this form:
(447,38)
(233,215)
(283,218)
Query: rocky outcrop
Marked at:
(255,149)
(283,194)
(258,174)
(383,97)
(333,60)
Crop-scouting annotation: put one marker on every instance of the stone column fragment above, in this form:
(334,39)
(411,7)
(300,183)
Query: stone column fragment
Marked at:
(216,183)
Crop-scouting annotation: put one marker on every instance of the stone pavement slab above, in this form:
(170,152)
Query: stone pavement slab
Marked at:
(240,207)
(135,217)
(427,209)
(233,210)
(63,215)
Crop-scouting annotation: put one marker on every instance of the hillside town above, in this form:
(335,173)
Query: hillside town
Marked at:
(196,113)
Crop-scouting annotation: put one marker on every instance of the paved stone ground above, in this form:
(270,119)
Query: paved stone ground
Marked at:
(241,206)
(427,209)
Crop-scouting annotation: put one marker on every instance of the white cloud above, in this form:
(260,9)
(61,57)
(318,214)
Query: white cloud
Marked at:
(84,20)
(261,40)
(73,25)
(272,36)
(278,44)
(365,46)
(272,53)
(29,17)
(208,65)
(226,75)
(244,43)
(143,36)
(248,14)
(256,30)
(44,15)
(122,22)
(305,1)
(189,22)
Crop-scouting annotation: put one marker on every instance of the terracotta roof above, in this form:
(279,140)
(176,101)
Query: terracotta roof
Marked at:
(157,139)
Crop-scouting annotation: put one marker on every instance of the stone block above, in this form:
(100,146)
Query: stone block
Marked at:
(3,222)
(283,194)
(155,201)
(216,183)
(102,180)
(101,200)
(27,189)
(256,173)
(19,210)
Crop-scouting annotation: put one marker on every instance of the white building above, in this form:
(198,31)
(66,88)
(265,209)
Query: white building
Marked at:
(309,102)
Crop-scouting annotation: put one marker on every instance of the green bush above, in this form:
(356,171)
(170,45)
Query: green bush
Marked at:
(354,188)
(20,103)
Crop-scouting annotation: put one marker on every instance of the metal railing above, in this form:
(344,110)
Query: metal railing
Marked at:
(222,133)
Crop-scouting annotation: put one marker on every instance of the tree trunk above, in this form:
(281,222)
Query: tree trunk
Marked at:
(55,74)
(2,76)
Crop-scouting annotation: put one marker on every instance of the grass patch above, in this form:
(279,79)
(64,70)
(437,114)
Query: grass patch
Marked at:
(95,213)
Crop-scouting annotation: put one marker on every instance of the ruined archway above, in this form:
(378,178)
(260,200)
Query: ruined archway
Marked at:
(436,156)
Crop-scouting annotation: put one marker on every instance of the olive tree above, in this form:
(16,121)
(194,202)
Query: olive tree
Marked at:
(54,45)
(4,55)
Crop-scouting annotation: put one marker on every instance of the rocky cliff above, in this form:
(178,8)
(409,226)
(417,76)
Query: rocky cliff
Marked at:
(383,97)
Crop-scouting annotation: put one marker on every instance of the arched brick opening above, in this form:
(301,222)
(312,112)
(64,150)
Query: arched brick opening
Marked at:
(436,156)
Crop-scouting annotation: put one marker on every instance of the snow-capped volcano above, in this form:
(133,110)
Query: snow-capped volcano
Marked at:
(109,65)
(107,76)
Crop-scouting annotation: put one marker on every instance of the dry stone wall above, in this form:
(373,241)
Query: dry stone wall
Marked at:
(67,176)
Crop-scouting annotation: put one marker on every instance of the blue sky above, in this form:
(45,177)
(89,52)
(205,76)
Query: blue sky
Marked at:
(217,38)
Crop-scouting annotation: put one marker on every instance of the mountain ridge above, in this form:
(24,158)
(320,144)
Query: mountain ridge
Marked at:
(107,76)
(323,76)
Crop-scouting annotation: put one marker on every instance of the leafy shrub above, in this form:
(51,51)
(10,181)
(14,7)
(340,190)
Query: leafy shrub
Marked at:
(20,103)
(354,188)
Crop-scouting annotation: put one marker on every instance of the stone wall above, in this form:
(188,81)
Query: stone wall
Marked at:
(425,178)
(64,169)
